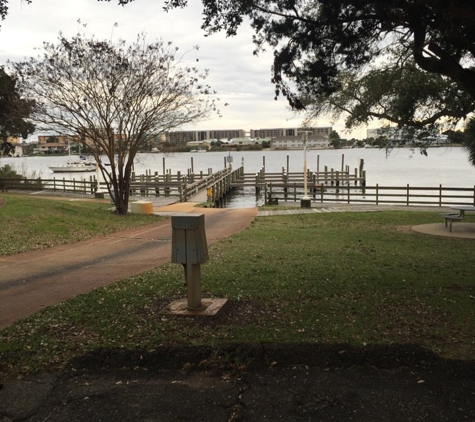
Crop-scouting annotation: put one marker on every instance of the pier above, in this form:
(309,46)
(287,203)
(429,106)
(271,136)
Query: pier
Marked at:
(212,188)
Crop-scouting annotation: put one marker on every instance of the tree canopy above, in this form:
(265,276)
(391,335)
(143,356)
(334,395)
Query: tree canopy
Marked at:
(396,91)
(314,41)
(328,52)
(14,112)
(114,97)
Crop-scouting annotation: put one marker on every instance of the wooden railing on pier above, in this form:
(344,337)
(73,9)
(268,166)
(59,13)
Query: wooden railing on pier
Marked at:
(321,187)
(185,186)
(223,185)
(402,195)
(84,187)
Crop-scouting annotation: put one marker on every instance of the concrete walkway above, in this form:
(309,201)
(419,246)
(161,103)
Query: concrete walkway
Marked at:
(30,281)
(34,280)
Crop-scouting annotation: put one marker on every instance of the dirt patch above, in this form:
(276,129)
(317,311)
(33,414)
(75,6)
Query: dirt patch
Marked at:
(1,202)
(405,229)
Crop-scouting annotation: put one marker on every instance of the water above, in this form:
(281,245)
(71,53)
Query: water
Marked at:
(446,166)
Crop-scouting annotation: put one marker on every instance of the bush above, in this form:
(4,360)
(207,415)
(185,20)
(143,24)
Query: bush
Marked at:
(7,172)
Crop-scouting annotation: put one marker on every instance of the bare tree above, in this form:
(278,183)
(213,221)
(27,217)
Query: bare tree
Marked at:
(115,97)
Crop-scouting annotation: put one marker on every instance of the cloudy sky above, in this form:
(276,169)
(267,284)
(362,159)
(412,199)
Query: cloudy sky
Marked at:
(241,79)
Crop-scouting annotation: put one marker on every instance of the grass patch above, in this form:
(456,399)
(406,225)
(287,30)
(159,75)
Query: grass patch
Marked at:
(358,278)
(35,223)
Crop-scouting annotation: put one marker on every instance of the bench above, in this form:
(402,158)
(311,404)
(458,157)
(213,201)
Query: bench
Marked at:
(450,218)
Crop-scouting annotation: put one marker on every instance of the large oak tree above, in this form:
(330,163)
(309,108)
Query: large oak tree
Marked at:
(115,97)
(314,41)
(14,112)
(323,48)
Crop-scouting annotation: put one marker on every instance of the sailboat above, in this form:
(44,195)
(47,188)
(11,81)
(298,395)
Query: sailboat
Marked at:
(81,165)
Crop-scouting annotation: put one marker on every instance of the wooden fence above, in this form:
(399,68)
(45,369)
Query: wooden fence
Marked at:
(183,186)
(403,195)
(85,187)
(219,183)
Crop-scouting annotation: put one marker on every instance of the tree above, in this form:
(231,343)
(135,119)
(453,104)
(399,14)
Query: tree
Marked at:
(398,93)
(314,41)
(334,139)
(114,97)
(469,139)
(14,110)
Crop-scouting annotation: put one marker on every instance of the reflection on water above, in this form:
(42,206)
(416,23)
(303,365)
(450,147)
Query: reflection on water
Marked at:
(244,198)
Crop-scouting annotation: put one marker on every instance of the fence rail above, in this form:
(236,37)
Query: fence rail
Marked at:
(87,187)
(403,195)
(220,182)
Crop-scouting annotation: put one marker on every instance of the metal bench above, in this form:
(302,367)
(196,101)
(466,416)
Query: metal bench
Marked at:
(450,218)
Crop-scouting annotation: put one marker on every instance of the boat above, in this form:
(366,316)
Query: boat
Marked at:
(81,165)
(76,166)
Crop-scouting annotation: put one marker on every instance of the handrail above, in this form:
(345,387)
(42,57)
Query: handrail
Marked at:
(287,191)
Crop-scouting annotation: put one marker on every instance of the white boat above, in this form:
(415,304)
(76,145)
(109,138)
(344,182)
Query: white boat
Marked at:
(76,166)
(82,165)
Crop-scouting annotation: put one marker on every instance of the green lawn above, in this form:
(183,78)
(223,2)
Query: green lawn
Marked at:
(357,278)
(30,223)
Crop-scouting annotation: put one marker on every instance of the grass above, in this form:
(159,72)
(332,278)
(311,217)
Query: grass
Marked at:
(29,224)
(356,278)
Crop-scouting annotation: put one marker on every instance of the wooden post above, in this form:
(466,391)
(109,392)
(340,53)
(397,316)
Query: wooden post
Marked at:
(287,164)
(193,285)
(361,167)
(342,162)
(407,195)
(377,194)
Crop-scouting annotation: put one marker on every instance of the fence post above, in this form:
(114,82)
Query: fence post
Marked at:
(407,195)
(440,195)
(377,194)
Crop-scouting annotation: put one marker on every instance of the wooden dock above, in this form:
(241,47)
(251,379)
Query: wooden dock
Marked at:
(318,185)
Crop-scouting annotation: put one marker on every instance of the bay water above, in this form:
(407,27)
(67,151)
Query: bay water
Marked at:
(447,166)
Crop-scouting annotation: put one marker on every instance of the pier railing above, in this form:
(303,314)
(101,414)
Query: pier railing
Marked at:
(220,183)
(85,187)
(398,195)
(223,185)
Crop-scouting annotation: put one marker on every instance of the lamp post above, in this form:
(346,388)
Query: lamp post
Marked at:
(305,202)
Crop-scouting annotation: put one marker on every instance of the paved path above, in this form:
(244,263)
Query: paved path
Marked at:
(33,280)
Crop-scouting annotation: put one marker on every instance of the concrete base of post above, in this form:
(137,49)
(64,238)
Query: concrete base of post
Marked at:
(306,203)
(210,307)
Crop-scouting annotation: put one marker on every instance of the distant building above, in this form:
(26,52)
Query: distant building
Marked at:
(61,139)
(295,142)
(289,132)
(14,140)
(50,148)
(406,136)
(184,137)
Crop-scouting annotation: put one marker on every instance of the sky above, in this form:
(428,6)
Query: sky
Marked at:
(241,79)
